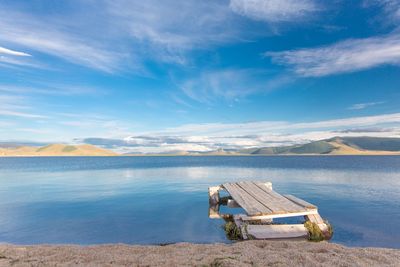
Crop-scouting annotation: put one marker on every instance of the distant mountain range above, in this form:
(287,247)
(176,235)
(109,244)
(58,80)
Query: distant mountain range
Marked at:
(55,150)
(333,146)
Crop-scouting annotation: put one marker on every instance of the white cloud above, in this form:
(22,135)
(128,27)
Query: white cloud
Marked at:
(7,51)
(12,62)
(123,35)
(13,113)
(120,35)
(36,131)
(233,129)
(12,58)
(346,56)
(274,10)
(170,28)
(16,106)
(364,105)
(51,89)
(4,125)
(80,125)
(213,136)
(391,9)
(226,84)
(230,84)
(64,37)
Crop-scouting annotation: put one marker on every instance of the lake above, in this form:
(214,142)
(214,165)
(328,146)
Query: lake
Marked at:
(153,200)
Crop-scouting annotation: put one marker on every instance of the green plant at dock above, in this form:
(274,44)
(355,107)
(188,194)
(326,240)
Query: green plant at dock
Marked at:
(314,232)
(232,231)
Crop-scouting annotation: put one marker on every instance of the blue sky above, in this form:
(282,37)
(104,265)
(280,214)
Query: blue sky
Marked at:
(156,76)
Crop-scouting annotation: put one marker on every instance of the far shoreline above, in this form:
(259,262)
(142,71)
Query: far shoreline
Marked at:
(177,155)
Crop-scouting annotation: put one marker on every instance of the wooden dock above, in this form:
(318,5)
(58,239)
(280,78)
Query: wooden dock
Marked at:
(262,204)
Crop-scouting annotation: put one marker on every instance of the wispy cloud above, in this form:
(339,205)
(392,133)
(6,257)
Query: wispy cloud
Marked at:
(391,9)
(51,89)
(136,31)
(364,105)
(16,106)
(5,124)
(7,51)
(274,10)
(55,38)
(12,113)
(267,126)
(85,124)
(167,28)
(345,56)
(13,58)
(122,35)
(230,84)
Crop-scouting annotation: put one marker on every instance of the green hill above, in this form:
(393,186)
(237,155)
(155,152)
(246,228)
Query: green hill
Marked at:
(370,143)
(317,147)
(336,145)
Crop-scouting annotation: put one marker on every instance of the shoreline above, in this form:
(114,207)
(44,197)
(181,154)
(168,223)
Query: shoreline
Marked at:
(172,155)
(245,253)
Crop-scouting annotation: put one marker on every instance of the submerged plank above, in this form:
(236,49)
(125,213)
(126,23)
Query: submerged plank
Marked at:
(275,231)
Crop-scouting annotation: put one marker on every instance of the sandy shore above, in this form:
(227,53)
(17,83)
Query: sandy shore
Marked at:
(249,253)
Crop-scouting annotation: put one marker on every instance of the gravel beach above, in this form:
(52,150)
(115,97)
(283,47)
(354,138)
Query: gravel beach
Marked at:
(248,253)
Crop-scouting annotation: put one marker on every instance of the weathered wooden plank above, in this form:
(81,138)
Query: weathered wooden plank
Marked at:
(315,218)
(324,227)
(280,200)
(275,231)
(213,213)
(300,202)
(262,197)
(252,206)
(282,215)
(213,194)
(239,198)
(257,199)
(263,185)
(246,201)
(239,224)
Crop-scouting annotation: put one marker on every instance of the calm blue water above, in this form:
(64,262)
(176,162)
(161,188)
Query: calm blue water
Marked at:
(150,200)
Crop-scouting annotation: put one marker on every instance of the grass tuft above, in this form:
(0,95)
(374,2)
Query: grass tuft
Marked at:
(314,232)
(232,231)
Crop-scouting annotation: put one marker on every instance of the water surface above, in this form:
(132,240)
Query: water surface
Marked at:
(152,200)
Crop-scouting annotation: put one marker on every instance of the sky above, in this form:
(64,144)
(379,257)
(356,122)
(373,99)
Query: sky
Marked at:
(161,75)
